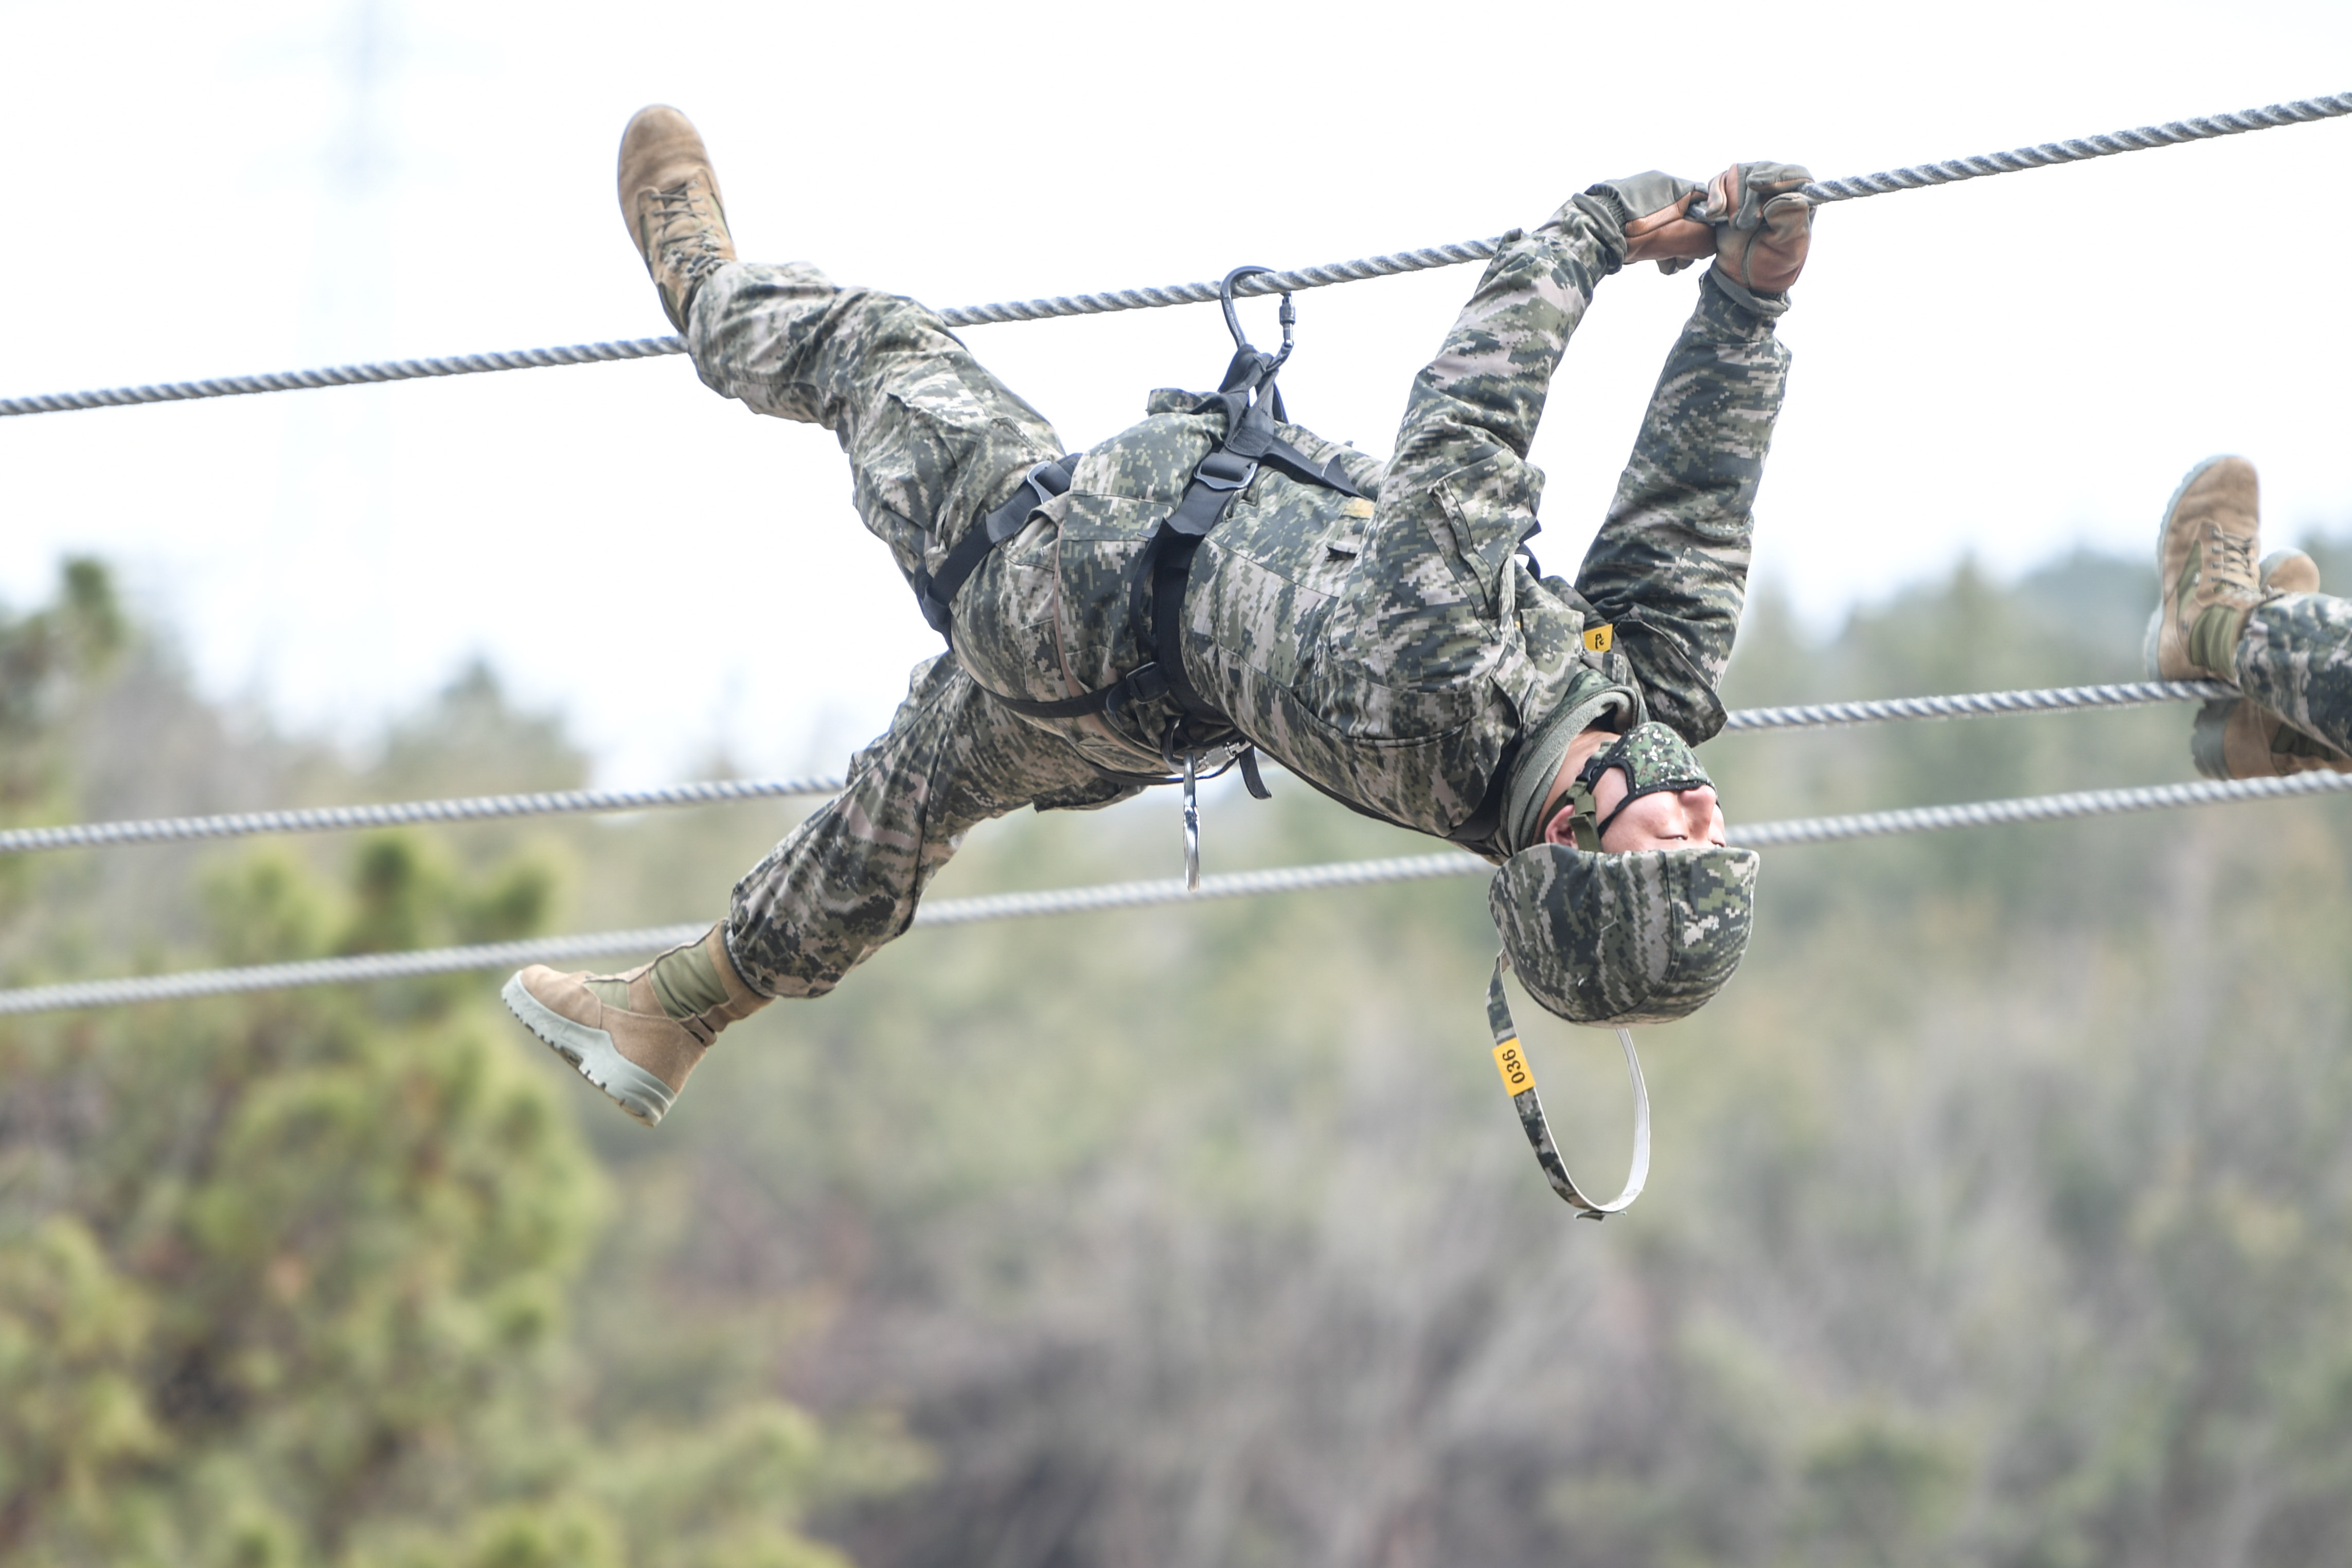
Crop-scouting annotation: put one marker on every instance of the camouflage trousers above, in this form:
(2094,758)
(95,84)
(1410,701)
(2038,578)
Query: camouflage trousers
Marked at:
(2294,657)
(935,442)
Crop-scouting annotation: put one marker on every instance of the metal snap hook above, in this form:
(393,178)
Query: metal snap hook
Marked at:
(1287,316)
(1191,824)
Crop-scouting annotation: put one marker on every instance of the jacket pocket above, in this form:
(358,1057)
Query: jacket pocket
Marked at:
(1490,507)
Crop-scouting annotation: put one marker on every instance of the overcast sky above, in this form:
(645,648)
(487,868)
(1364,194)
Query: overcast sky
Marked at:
(2007,368)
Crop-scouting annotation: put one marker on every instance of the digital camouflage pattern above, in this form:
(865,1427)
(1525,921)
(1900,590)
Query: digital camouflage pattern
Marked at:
(1390,651)
(1646,937)
(2294,658)
(1654,757)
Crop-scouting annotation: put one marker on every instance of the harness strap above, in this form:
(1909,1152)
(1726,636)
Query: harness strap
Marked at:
(1519,1082)
(1143,684)
(936,594)
(1252,403)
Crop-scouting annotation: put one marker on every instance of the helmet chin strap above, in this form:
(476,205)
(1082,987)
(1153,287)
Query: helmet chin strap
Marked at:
(1519,1081)
(1645,775)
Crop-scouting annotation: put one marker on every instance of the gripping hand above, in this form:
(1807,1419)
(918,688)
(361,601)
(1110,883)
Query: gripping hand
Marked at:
(1762,223)
(1655,208)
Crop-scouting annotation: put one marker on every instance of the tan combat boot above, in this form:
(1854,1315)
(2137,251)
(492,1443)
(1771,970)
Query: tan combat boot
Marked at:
(2233,737)
(637,1036)
(669,199)
(2206,576)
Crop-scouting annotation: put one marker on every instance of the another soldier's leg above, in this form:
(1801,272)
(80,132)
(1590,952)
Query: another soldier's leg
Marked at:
(933,440)
(1669,567)
(847,880)
(2294,657)
(2236,738)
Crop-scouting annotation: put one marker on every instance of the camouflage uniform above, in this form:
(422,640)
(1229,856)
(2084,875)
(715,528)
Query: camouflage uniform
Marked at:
(1390,651)
(2294,657)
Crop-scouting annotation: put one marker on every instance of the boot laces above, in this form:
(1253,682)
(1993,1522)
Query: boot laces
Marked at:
(2229,557)
(686,240)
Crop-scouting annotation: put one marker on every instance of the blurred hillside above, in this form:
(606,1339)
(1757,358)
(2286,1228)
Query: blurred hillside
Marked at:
(2002,1213)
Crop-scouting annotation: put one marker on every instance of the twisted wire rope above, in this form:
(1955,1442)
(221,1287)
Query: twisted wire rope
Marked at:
(396,814)
(1974,704)
(2015,161)
(1096,899)
(556,803)
(2018,159)
(342,375)
(2036,808)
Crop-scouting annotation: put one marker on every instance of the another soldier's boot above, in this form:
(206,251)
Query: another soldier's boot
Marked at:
(2281,571)
(2207,579)
(2235,739)
(669,199)
(637,1036)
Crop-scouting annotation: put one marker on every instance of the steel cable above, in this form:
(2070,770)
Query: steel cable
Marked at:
(2015,161)
(2036,808)
(394,813)
(1137,895)
(2019,159)
(555,802)
(1974,704)
(342,375)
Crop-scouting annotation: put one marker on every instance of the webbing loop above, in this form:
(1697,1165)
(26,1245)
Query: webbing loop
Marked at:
(1519,1081)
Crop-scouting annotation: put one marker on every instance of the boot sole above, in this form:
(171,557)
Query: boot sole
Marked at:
(592,1054)
(2163,585)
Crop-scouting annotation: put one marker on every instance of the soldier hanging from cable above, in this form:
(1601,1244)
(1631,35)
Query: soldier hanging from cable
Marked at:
(1216,581)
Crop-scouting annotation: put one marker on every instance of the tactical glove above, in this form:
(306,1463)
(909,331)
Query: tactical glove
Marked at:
(1654,208)
(1763,223)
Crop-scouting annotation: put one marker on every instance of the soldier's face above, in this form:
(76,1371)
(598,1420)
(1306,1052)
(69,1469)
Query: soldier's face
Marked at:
(1670,819)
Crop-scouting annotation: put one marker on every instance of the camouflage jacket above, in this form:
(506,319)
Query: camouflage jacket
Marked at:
(1285,625)
(1394,652)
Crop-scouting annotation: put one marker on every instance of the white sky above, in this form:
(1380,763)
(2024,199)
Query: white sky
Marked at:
(2007,368)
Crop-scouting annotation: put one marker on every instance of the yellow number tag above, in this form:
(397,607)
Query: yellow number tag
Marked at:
(1512,1063)
(1598,638)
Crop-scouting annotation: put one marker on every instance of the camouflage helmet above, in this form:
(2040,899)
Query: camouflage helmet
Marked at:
(1643,937)
(1636,938)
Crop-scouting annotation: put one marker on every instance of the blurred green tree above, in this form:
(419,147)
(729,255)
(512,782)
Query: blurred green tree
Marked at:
(289,1280)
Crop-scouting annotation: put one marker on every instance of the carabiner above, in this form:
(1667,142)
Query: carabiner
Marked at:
(1191,824)
(1287,316)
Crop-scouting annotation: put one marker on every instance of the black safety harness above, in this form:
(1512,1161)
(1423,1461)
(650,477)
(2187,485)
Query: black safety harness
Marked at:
(1253,406)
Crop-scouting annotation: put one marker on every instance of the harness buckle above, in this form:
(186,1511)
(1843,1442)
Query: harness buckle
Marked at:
(1011,517)
(1222,470)
(1146,683)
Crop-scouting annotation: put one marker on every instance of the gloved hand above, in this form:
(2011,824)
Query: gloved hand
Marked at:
(1763,226)
(1654,208)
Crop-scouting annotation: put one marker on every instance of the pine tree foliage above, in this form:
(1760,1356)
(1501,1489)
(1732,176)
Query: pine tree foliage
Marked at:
(292,1279)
